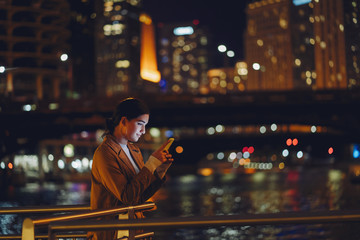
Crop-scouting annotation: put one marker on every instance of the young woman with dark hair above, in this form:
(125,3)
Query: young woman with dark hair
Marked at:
(119,176)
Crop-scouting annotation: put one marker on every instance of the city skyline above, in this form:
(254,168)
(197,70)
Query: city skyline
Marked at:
(226,21)
(104,46)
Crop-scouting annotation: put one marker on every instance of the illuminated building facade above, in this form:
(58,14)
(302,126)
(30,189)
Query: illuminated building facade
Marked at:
(267,46)
(227,80)
(330,60)
(298,44)
(352,40)
(33,36)
(117,47)
(183,58)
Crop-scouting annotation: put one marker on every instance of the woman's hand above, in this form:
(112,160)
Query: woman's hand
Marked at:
(163,155)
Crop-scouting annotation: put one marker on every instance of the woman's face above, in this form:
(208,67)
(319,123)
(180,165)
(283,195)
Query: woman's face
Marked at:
(136,127)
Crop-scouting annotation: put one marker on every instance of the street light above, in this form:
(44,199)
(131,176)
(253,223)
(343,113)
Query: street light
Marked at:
(222,48)
(256,66)
(64,57)
(230,53)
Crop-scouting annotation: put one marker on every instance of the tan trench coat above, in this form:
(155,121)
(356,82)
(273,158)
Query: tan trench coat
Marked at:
(114,181)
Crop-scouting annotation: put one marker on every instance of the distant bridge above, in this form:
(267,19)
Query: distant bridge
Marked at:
(335,109)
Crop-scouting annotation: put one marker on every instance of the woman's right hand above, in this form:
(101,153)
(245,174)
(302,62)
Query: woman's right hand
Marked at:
(163,155)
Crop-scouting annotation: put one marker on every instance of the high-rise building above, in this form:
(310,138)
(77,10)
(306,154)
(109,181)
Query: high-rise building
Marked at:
(268,46)
(82,20)
(352,41)
(117,47)
(330,60)
(183,57)
(33,38)
(296,44)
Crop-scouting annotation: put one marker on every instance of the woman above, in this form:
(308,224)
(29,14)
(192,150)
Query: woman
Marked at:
(119,176)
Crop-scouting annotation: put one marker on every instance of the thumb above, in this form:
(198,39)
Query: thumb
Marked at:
(159,153)
(166,145)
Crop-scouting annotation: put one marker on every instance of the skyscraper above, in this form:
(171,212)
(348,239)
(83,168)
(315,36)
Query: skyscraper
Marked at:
(33,37)
(296,44)
(183,57)
(117,47)
(268,46)
(330,63)
(82,46)
(352,41)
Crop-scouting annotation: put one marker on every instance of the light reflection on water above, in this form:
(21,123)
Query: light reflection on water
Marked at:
(263,192)
(189,195)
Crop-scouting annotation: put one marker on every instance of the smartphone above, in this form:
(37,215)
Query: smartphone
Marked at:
(171,140)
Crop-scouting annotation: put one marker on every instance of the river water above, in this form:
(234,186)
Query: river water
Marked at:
(302,189)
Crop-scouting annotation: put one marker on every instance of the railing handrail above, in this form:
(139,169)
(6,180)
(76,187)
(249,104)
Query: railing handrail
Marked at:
(44,209)
(28,226)
(219,220)
(68,235)
(94,213)
(201,221)
(71,235)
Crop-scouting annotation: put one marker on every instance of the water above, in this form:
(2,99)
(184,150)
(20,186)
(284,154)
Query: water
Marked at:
(312,189)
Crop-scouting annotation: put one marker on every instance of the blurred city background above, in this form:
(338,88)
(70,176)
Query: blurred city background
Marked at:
(262,98)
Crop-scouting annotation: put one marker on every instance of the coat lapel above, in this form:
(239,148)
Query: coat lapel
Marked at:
(136,154)
(125,161)
(122,159)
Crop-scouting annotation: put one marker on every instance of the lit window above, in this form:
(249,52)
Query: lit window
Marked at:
(180,31)
(260,42)
(341,27)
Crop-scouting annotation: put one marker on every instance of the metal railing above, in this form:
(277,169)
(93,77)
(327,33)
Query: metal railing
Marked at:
(28,227)
(46,209)
(208,221)
(60,227)
(42,210)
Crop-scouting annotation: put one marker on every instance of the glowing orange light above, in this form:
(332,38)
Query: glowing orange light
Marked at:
(251,149)
(295,141)
(148,64)
(288,142)
(281,165)
(331,150)
(205,171)
(179,149)
(250,170)
(10,165)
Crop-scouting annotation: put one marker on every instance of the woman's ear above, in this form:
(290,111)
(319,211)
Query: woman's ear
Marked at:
(123,121)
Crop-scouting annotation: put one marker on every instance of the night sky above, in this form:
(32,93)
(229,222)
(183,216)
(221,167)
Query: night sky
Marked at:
(226,19)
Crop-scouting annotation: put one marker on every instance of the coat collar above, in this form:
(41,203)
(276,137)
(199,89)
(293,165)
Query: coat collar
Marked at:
(113,144)
(135,152)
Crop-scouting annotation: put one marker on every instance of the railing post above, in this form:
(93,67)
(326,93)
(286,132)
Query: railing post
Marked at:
(51,234)
(131,214)
(28,231)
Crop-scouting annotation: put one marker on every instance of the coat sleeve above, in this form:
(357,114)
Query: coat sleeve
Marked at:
(129,191)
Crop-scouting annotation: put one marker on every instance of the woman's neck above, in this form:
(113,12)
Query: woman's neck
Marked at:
(120,138)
